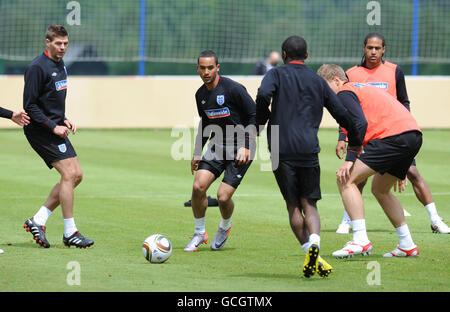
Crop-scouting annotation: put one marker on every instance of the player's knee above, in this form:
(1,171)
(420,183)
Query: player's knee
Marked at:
(374,190)
(78,177)
(379,191)
(361,185)
(341,185)
(72,175)
(223,197)
(198,188)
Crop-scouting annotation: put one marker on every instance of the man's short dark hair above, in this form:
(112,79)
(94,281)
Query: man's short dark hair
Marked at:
(55,31)
(295,48)
(208,53)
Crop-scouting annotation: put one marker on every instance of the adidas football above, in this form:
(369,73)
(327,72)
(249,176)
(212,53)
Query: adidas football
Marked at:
(157,248)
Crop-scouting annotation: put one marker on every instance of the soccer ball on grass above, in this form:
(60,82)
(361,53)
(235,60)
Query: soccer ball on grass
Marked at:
(157,248)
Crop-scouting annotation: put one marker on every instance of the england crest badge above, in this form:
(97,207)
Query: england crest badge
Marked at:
(220,99)
(62,148)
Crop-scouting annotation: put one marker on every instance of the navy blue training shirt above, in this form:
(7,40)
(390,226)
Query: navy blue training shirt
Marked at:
(228,104)
(297,96)
(5,113)
(44,94)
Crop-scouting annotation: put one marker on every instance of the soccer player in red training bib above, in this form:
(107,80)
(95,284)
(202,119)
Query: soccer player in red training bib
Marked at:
(226,110)
(389,77)
(44,99)
(21,118)
(391,142)
(297,97)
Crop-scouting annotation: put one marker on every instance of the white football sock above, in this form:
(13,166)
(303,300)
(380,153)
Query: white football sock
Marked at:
(199,225)
(69,227)
(314,239)
(431,209)
(359,232)
(225,223)
(305,246)
(346,218)
(41,217)
(404,237)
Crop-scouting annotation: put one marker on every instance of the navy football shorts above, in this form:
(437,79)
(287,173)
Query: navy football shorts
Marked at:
(234,173)
(297,182)
(394,154)
(48,145)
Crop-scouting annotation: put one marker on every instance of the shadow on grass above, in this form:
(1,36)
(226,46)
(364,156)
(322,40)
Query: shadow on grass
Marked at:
(386,230)
(206,249)
(285,276)
(30,244)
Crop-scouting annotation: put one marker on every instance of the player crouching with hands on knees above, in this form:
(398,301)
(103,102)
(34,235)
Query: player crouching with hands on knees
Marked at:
(391,141)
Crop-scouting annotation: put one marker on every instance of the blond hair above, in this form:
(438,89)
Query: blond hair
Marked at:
(329,71)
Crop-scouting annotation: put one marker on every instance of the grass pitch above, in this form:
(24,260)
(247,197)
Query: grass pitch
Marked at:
(133,188)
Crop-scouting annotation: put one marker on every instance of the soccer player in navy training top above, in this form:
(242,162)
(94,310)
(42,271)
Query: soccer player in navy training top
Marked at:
(21,118)
(297,96)
(44,99)
(228,120)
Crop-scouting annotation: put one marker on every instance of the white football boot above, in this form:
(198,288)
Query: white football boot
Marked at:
(344,228)
(440,227)
(400,252)
(196,241)
(220,238)
(351,249)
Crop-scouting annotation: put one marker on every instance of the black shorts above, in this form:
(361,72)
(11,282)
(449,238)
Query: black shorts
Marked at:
(48,145)
(234,173)
(393,154)
(297,182)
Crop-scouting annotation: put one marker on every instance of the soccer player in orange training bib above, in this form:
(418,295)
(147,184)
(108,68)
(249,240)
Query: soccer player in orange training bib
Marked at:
(389,77)
(391,142)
